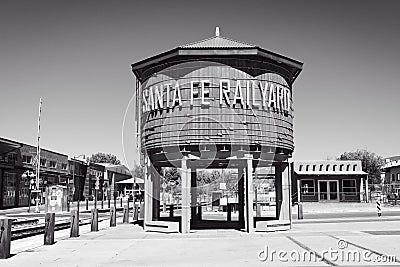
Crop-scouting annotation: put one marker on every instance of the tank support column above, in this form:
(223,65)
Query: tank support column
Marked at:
(148,189)
(185,177)
(193,192)
(249,194)
(241,196)
(282,192)
(156,192)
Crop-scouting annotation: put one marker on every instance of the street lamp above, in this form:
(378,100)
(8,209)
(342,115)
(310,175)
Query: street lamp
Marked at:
(31,175)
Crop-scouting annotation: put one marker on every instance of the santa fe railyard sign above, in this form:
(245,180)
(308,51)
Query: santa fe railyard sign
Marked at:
(265,95)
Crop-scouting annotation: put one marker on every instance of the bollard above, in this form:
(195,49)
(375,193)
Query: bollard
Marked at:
(229,212)
(121,202)
(113,217)
(258,210)
(74,224)
(141,211)
(87,204)
(378,207)
(126,215)
(199,211)
(171,210)
(94,221)
(109,204)
(50,219)
(102,203)
(300,211)
(5,238)
(135,212)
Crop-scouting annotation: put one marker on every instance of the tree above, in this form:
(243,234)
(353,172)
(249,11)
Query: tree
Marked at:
(138,171)
(104,158)
(371,163)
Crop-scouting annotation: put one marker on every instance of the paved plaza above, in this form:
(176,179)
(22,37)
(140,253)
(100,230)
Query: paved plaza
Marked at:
(323,242)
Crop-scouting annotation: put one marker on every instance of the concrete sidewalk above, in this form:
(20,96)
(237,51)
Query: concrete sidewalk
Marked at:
(129,245)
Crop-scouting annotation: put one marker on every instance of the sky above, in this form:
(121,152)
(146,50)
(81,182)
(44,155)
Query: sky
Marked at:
(76,56)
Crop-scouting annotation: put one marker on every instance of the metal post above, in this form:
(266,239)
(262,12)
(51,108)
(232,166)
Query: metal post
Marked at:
(87,203)
(102,197)
(300,211)
(95,198)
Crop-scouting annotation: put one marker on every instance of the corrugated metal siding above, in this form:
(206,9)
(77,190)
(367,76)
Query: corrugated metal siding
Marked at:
(218,42)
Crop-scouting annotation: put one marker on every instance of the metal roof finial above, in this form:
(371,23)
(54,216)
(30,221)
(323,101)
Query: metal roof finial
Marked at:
(217,31)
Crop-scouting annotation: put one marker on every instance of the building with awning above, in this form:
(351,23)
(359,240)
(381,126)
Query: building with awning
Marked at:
(329,181)
(134,185)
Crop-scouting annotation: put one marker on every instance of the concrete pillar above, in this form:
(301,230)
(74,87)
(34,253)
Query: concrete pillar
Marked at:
(185,177)
(5,238)
(50,219)
(249,194)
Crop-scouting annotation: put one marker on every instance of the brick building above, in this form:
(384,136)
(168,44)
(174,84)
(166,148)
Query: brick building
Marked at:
(17,158)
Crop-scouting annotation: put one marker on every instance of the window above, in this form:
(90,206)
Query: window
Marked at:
(320,167)
(327,167)
(307,187)
(43,162)
(393,177)
(398,176)
(27,159)
(349,186)
(341,167)
(12,157)
(64,166)
(307,168)
(313,167)
(348,167)
(52,164)
(334,168)
(354,167)
(300,167)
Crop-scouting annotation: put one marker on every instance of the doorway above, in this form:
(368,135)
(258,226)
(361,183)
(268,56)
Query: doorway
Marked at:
(328,190)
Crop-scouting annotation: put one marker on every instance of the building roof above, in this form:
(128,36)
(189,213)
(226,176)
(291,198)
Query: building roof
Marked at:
(328,167)
(7,145)
(217,42)
(213,48)
(390,164)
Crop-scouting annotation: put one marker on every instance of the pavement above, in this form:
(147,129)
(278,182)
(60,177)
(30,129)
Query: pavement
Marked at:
(355,241)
